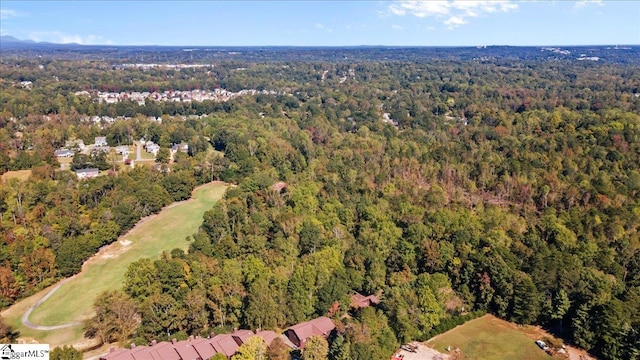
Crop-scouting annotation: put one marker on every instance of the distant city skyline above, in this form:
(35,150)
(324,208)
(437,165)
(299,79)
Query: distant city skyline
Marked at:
(324,23)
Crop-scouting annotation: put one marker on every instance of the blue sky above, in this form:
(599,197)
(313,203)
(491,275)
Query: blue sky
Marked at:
(324,23)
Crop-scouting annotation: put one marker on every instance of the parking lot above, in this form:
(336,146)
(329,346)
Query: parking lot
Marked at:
(422,352)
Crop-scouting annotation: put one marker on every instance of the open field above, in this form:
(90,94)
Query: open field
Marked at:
(21,175)
(65,163)
(105,270)
(489,338)
(146,156)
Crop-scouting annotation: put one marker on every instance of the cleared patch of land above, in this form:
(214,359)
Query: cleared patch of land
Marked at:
(105,270)
(489,338)
(21,175)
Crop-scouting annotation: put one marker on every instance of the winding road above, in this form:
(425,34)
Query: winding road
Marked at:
(29,324)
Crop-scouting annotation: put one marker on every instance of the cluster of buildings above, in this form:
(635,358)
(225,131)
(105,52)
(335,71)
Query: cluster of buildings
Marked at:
(164,66)
(186,96)
(197,348)
(100,144)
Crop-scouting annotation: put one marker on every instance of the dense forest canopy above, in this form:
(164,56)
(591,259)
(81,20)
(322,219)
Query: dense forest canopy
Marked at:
(507,185)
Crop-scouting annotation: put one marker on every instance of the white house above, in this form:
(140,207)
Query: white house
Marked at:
(100,141)
(87,173)
(63,153)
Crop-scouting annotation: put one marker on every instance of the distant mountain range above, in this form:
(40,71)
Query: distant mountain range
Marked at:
(628,54)
(10,39)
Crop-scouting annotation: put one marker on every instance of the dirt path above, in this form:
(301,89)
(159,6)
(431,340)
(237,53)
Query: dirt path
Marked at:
(29,324)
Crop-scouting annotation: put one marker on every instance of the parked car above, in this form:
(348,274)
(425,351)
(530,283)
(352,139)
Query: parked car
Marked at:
(541,344)
(409,348)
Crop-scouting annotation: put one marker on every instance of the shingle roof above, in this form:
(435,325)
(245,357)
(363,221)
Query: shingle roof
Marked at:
(141,353)
(267,335)
(164,351)
(241,336)
(225,344)
(81,171)
(360,300)
(186,351)
(204,348)
(319,326)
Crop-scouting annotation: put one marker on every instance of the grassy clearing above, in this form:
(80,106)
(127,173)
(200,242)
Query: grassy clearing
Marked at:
(63,336)
(65,163)
(73,301)
(146,155)
(489,338)
(21,175)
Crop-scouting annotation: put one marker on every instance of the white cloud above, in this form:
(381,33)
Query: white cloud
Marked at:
(420,8)
(397,27)
(582,3)
(321,26)
(452,13)
(8,13)
(62,38)
(454,21)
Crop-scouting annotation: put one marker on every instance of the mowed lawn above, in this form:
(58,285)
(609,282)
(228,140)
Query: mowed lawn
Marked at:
(489,338)
(149,238)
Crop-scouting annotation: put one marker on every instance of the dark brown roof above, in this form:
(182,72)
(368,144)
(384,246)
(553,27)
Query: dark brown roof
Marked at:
(321,326)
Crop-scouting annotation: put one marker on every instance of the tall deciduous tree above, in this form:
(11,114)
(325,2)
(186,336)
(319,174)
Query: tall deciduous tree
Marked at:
(252,349)
(116,317)
(7,334)
(316,348)
(65,353)
(278,350)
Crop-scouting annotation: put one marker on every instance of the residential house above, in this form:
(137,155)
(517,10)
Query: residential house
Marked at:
(152,147)
(267,335)
(63,153)
(360,301)
(87,173)
(100,141)
(241,336)
(78,143)
(300,333)
(196,348)
(225,344)
(122,150)
(183,147)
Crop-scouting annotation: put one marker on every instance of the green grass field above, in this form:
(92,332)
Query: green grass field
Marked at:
(146,156)
(489,338)
(149,238)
